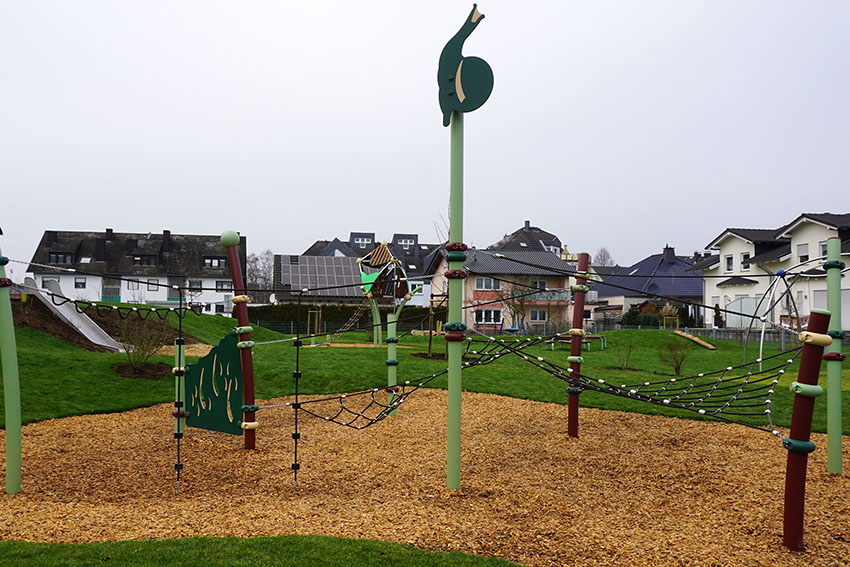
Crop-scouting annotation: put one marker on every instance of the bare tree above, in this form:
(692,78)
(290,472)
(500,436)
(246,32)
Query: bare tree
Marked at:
(261,275)
(602,258)
(514,296)
(623,351)
(142,339)
(674,353)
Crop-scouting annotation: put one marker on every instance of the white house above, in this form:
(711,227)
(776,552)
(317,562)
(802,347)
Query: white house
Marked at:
(750,260)
(137,268)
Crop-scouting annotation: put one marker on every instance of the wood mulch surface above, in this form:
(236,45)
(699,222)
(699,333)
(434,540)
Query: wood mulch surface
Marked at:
(632,490)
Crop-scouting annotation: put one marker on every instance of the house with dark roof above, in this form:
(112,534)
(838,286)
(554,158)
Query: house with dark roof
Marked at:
(528,239)
(134,267)
(290,270)
(649,284)
(744,279)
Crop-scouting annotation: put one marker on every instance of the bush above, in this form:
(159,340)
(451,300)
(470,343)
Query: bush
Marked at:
(142,339)
(630,318)
(648,320)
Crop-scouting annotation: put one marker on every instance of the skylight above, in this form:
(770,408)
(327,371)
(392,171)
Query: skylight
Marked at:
(524,244)
(633,272)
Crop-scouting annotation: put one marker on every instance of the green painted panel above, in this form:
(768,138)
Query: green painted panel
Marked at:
(214,389)
(368,279)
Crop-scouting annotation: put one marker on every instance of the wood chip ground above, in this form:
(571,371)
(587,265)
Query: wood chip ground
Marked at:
(632,490)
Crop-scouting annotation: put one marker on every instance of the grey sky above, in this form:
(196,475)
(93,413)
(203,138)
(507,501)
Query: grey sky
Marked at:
(622,124)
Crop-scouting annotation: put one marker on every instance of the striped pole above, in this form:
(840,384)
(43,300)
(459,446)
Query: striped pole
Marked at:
(833,356)
(11,384)
(577,336)
(798,444)
(230,240)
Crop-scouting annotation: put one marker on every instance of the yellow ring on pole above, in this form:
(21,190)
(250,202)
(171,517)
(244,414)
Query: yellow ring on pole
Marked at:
(249,424)
(816,339)
(240,299)
(577,332)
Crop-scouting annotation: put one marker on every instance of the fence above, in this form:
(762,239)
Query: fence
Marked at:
(330,327)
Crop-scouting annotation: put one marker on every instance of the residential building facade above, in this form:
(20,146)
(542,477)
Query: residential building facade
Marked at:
(137,267)
(746,279)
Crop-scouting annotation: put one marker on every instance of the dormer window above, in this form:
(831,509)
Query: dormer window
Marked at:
(362,241)
(144,260)
(215,261)
(405,243)
(60,258)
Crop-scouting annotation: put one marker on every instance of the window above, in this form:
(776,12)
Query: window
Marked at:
(537,315)
(215,262)
(362,241)
(224,286)
(745,262)
(79,283)
(523,244)
(60,258)
(405,243)
(219,307)
(207,307)
(153,284)
(144,260)
(730,263)
(195,285)
(487,284)
(539,284)
(822,248)
(46,279)
(488,316)
(803,252)
(133,284)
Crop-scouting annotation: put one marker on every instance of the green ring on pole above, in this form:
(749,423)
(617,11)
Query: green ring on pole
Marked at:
(455,327)
(244,344)
(575,359)
(250,408)
(832,264)
(574,390)
(798,446)
(840,335)
(576,288)
(3,260)
(456,256)
(245,329)
(392,362)
(229,238)
(808,390)
(391,340)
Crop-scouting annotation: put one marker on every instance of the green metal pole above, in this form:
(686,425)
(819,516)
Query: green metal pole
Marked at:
(392,360)
(455,348)
(180,385)
(834,356)
(11,384)
(376,323)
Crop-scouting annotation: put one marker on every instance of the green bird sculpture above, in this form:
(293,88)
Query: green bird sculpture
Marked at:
(465,82)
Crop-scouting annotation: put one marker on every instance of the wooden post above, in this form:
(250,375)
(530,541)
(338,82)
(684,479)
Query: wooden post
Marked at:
(230,240)
(577,336)
(798,444)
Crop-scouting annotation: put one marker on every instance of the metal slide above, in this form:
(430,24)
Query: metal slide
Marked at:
(68,313)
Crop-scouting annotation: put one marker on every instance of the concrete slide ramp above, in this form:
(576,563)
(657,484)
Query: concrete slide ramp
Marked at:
(68,313)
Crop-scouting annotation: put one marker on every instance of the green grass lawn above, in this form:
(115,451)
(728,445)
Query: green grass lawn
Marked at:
(59,379)
(286,551)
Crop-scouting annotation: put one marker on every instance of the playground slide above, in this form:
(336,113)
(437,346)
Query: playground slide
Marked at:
(69,314)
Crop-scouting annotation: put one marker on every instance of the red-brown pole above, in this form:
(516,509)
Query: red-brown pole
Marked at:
(798,443)
(577,333)
(230,240)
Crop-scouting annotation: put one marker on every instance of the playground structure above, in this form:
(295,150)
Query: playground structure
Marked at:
(201,388)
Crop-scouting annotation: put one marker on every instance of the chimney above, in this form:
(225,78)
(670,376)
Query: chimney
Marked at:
(109,234)
(669,254)
(100,250)
(166,241)
(527,225)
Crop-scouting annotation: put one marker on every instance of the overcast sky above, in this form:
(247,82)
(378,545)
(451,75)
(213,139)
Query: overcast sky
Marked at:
(623,124)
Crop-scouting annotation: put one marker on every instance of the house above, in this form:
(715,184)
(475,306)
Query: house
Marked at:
(137,267)
(664,274)
(749,259)
(529,238)
(407,247)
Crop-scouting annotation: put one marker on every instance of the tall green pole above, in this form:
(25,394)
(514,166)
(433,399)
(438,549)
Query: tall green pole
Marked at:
(833,355)
(455,347)
(392,357)
(11,384)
